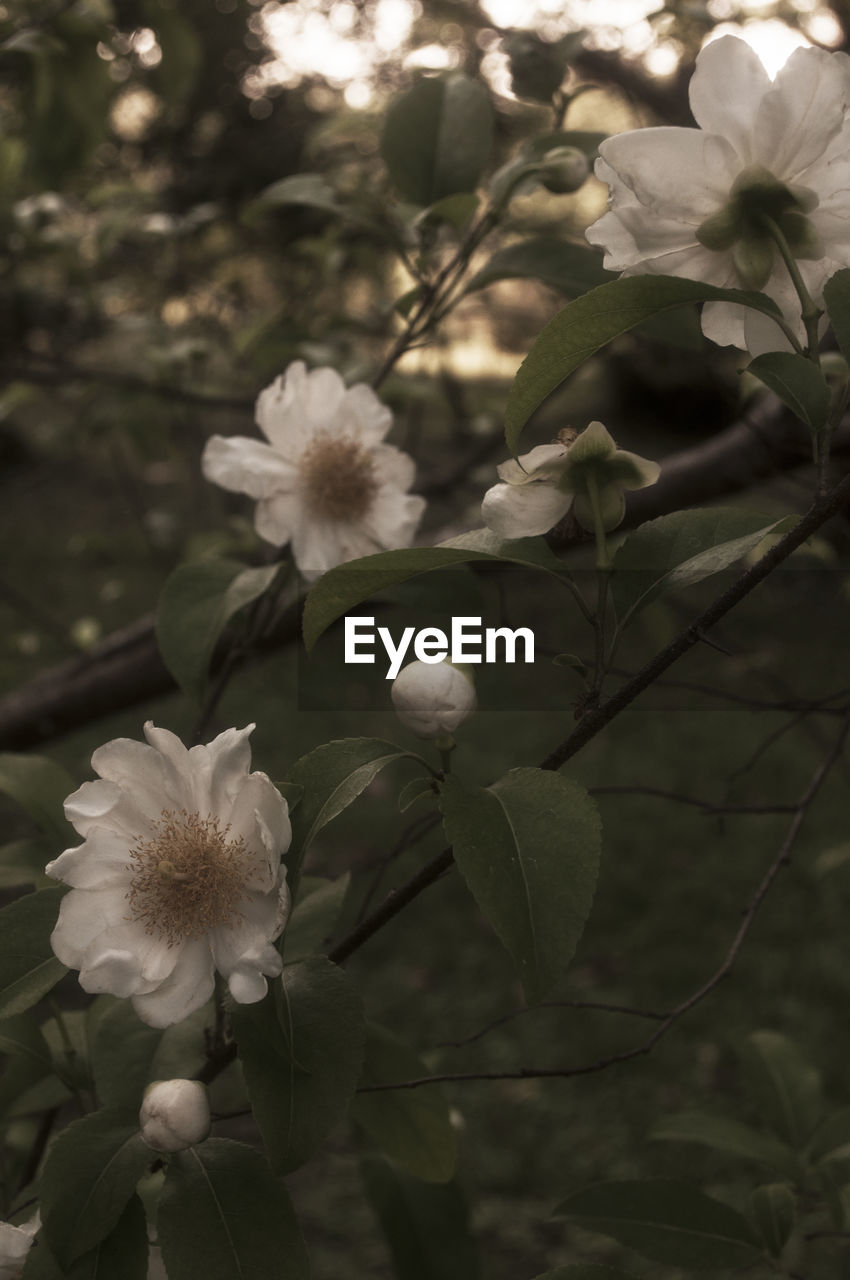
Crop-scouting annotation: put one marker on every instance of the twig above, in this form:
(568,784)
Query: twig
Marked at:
(653,1015)
(695,998)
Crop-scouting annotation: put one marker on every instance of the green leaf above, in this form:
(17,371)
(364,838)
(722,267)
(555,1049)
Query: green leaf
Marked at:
(666,1221)
(592,321)
(799,384)
(784,1085)
(332,776)
(773,1210)
(437,137)
(301,1050)
(40,787)
(314,916)
(411,1126)
(223,1215)
(457,210)
(127,1054)
(572,269)
(528,847)
(124,1253)
(22,862)
(730,1136)
(21,1037)
(836,296)
(311,189)
(416,789)
(585,1271)
(831,1140)
(89,1176)
(28,967)
(195,605)
(426,1225)
(682,548)
(350,584)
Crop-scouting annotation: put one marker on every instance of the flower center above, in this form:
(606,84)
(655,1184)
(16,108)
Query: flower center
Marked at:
(338,477)
(188,878)
(759,205)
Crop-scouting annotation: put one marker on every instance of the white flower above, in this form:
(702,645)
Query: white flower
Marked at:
(174,1115)
(15,1243)
(433,698)
(325,482)
(539,488)
(179,874)
(692,202)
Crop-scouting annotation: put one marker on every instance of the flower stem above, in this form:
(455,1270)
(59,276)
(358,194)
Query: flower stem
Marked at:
(603,560)
(811,312)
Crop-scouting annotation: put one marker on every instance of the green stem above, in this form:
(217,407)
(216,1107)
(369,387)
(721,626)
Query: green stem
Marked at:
(810,310)
(603,560)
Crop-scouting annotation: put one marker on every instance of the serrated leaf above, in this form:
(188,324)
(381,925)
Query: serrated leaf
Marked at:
(350,584)
(314,915)
(784,1085)
(223,1215)
(528,847)
(799,384)
(40,787)
(426,1225)
(28,967)
(592,321)
(195,605)
(301,1050)
(90,1174)
(411,1126)
(665,1221)
(683,548)
(572,269)
(437,137)
(332,776)
(836,296)
(730,1136)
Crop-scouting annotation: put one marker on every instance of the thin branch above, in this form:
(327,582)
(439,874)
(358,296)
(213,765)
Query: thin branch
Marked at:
(653,1015)
(696,997)
(707,806)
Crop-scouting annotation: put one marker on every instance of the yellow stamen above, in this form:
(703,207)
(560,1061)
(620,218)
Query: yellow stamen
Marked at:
(338,477)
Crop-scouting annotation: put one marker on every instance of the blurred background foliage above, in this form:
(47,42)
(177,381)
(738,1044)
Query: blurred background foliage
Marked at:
(155,275)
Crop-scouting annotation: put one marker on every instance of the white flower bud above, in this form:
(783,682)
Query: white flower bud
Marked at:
(175,1114)
(433,698)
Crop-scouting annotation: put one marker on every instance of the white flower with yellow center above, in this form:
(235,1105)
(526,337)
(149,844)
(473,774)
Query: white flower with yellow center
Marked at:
(707,203)
(325,482)
(179,875)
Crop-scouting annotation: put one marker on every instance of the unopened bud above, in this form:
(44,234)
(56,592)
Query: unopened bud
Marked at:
(564,170)
(175,1114)
(432,698)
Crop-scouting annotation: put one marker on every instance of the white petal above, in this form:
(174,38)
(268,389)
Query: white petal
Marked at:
(144,773)
(363,415)
(246,942)
(393,519)
(319,545)
(84,914)
(521,511)
(723,323)
(275,519)
(800,115)
(682,174)
(279,412)
(247,466)
(392,467)
(100,861)
(137,956)
(321,396)
(247,986)
(188,987)
(726,91)
(260,816)
(95,804)
(218,769)
(544,462)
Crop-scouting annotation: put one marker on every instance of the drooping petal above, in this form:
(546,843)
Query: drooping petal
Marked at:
(190,985)
(543,462)
(726,92)
(682,174)
(800,115)
(247,466)
(523,511)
